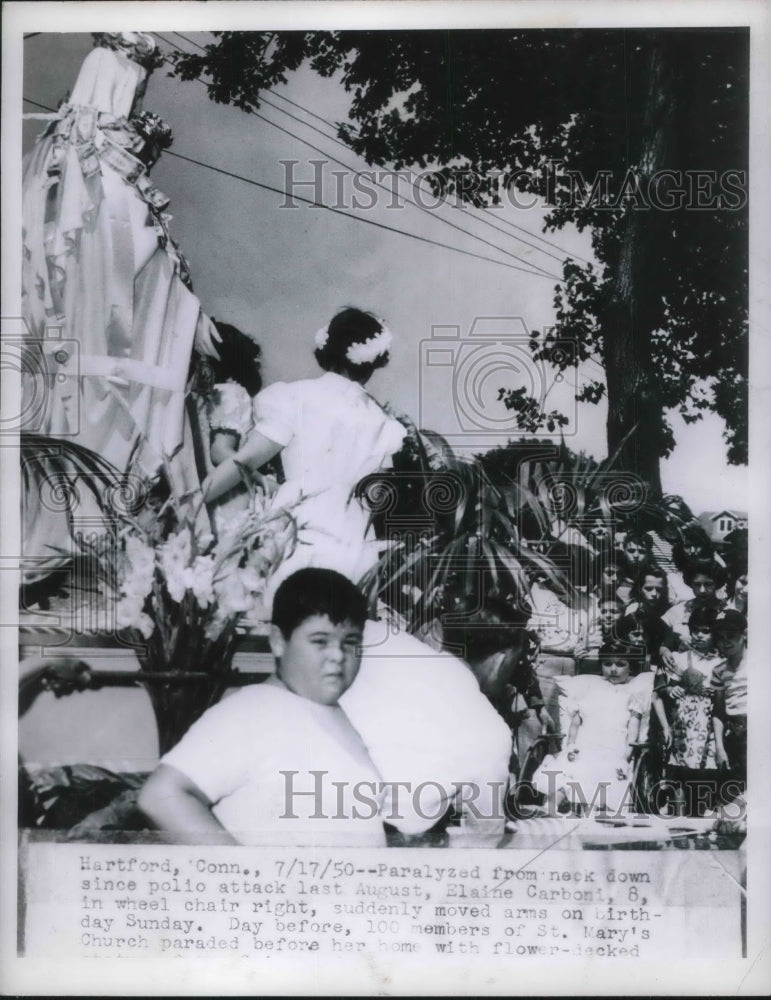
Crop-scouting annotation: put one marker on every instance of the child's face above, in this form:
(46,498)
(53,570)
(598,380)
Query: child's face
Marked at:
(703,587)
(610,613)
(730,642)
(635,553)
(319,660)
(701,638)
(616,672)
(651,591)
(740,588)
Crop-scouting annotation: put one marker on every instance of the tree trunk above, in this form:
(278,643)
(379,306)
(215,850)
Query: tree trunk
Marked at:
(635,413)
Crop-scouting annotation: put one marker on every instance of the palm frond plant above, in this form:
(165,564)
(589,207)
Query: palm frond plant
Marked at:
(583,503)
(66,489)
(174,592)
(449,530)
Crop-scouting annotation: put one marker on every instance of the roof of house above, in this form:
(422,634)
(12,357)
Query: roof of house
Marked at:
(709,515)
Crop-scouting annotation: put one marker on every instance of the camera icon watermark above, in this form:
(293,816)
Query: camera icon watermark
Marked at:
(477,372)
(41,378)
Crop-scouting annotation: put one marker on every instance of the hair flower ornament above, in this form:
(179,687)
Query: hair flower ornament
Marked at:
(321,337)
(371,349)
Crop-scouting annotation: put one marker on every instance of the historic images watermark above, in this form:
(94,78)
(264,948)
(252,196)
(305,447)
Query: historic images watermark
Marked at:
(314,182)
(465,376)
(429,800)
(38,365)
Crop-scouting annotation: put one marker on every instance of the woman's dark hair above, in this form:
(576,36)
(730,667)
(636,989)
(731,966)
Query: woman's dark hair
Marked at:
(239,359)
(482,631)
(704,567)
(702,617)
(348,327)
(315,591)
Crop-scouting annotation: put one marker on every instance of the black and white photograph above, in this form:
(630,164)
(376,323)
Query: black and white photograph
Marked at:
(387,380)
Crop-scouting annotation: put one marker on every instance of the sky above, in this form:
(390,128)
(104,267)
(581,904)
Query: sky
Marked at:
(460,323)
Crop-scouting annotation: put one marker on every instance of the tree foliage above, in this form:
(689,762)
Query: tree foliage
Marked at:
(640,136)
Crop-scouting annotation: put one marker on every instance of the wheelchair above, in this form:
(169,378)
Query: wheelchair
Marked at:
(650,792)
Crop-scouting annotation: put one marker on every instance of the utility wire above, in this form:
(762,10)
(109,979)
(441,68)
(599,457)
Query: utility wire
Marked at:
(329,208)
(535,269)
(506,222)
(356,218)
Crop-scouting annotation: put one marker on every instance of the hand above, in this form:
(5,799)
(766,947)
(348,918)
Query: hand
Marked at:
(722,758)
(206,337)
(666,738)
(667,659)
(268,484)
(676,691)
(67,675)
(573,752)
(518,717)
(621,772)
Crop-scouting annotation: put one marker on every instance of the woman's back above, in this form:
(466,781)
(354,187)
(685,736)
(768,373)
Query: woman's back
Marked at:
(332,430)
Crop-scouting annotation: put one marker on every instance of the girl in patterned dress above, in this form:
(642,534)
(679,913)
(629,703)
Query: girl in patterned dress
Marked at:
(683,702)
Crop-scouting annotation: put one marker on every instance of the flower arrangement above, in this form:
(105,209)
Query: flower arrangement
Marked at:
(172,567)
(179,591)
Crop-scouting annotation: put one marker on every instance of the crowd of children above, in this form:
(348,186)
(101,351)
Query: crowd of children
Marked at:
(674,639)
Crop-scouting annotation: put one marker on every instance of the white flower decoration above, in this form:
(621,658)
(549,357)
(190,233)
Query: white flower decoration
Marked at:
(364,352)
(369,350)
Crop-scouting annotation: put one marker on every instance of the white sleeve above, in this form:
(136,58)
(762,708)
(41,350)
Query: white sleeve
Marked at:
(230,409)
(215,751)
(275,412)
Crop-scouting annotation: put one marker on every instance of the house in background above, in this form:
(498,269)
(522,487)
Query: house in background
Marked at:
(720,524)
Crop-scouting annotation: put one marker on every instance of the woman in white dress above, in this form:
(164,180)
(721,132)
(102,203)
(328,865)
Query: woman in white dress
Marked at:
(330,433)
(420,712)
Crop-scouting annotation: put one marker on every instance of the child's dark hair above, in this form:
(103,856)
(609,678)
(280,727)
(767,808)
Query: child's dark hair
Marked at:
(482,631)
(691,535)
(315,591)
(654,570)
(348,327)
(621,652)
(704,567)
(702,617)
(239,359)
(624,646)
(641,538)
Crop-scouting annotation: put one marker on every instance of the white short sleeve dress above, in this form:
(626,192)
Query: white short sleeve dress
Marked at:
(332,434)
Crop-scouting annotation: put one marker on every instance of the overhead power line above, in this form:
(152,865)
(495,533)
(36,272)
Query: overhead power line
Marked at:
(506,222)
(531,266)
(328,208)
